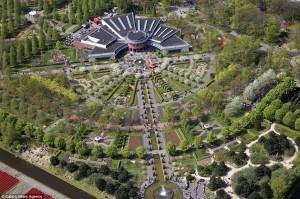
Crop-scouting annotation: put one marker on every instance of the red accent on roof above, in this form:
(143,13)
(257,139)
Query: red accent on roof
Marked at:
(35,191)
(6,181)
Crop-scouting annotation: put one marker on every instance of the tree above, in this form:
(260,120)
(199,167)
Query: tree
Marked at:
(46,7)
(20,52)
(125,152)
(243,51)
(111,151)
(272,30)
(141,152)
(184,117)
(280,113)
(41,40)
(58,45)
(198,142)
(297,124)
(12,56)
(169,114)
(221,194)
(184,145)
(211,137)
(171,149)
(49,139)
(38,134)
(226,134)
(215,183)
(289,119)
(27,48)
(234,107)
(54,160)
(82,148)
(281,182)
(71,167)
(269,112)
(98,152)
(34,42)
(5,67)
(60,142)
(248,20)
(100,184)
(70,145)
(259,154)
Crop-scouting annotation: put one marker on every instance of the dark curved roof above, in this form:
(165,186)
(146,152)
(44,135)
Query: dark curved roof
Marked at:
(121,30)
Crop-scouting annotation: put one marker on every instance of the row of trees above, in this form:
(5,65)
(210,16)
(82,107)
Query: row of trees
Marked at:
(115,182)
(254,118)
(21,51)
(11,17)
(81,148)
(252,92)
(16,131)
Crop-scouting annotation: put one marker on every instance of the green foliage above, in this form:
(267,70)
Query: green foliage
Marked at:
(97,152)
(242,52)
(60,143)
(82,148)
(56,88)
(111,151)
(141,152)
(171,149)
(289,119)
(215,183)
(281,182)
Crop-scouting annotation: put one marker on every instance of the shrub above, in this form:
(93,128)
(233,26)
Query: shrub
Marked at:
(54,160)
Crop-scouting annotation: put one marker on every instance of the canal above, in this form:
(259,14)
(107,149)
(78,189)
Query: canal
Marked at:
(42,176)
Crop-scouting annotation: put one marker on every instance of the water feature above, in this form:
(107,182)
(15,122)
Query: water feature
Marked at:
(163,192)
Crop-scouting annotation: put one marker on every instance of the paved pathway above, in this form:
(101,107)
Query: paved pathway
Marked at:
(286,162)
(53,125)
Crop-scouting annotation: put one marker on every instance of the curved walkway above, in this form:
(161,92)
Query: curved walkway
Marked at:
(286,163)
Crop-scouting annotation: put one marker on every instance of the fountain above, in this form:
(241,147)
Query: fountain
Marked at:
(163,193)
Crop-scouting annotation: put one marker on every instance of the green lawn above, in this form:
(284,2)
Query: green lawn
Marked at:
(249,136)
(176,85)
(137,168)
(287,131)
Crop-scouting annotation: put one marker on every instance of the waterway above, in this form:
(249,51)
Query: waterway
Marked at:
(42,176)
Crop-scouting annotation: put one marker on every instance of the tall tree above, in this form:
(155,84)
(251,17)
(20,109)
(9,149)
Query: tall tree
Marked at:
(12,56)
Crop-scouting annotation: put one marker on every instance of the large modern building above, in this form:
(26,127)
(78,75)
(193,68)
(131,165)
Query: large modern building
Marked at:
(127,31)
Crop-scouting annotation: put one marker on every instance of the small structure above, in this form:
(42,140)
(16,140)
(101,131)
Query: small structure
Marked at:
(99,139)
(32,13)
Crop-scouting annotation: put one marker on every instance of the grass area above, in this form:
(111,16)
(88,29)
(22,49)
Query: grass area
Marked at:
(153,141)
(137,168)
(184,133)
(115,164)
(201,154)
(287,131)
(184,163)
(250,136)
(158,169)
(158,96)
(176,85)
